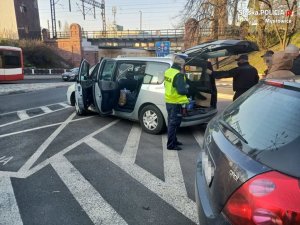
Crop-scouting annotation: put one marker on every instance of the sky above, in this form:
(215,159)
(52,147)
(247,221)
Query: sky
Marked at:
(156,14)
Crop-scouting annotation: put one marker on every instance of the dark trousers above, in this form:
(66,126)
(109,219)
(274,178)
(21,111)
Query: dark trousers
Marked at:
(174,120)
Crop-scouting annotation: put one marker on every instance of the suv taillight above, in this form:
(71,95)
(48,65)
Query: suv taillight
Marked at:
(267,199)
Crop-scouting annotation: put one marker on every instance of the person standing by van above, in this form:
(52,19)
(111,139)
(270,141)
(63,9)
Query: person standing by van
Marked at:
(176,90)
(244,76)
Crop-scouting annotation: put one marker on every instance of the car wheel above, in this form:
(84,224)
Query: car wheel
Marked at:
(72,99)
(152,120)
(79,111)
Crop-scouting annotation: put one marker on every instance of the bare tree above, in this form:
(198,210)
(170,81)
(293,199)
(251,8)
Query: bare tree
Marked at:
(287,28)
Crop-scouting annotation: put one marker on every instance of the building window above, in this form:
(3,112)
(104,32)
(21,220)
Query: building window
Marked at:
(23,8)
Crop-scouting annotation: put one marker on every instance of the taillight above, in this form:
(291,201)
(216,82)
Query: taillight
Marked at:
(274,83)
(267,199)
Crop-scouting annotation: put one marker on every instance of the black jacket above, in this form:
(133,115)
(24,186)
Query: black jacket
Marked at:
(244,76)
(296,66)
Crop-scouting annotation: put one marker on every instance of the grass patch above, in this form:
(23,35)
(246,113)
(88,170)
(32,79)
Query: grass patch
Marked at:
(255,59)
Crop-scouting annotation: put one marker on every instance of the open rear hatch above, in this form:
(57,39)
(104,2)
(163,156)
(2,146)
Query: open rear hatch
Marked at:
(202,86)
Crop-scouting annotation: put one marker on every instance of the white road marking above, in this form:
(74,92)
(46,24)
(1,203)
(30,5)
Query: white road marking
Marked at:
(180,202)
(42,127)
(132,144)
(23,115)
(66,150)
(99,211)
(29,109)
(4,160)
(9,210)
(46,109)
(64,105)
(45,144)
(172,169)
(32,117)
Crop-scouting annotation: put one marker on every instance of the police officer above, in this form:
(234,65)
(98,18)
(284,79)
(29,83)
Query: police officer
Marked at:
(176,90)
(244,76)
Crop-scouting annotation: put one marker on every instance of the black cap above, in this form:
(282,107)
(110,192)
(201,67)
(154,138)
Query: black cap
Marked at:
(244,57)
(268,53)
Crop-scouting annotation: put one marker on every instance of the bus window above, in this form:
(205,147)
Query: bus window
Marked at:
(12,59)
(1,60)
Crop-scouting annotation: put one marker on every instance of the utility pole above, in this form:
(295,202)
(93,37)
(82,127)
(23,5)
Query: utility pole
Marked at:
(141,13)
(53,18)
(95,4)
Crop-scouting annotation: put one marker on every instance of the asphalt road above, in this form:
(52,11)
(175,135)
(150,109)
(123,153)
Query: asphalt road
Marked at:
(58,168)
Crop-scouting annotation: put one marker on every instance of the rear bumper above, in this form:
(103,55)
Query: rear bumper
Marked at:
(198,119)
(206,212)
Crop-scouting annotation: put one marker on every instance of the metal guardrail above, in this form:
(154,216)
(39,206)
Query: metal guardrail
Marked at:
(39,71)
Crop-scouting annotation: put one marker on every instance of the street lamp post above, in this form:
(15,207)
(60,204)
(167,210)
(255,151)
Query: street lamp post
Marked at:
(141,19)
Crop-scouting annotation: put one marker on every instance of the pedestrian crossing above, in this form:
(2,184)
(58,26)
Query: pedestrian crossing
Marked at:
(172,190)
(10,118)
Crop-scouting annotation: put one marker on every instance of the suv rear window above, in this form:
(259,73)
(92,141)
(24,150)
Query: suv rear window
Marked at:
(268,118)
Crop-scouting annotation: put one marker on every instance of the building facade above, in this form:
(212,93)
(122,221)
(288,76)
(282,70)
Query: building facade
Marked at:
(19,19)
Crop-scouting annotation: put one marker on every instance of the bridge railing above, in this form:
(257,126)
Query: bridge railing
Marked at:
(168,33)
(148,34)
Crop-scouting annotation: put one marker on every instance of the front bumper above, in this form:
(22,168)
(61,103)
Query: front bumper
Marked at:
(206,212)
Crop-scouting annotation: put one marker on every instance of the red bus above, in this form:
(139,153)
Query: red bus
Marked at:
(11,63)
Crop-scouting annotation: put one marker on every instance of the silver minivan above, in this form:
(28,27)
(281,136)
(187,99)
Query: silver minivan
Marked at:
(133,88)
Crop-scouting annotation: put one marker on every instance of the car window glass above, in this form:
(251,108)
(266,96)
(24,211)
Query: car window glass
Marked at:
(267,117)
(107,72)
(154,72)
(130,70)
(94,70)
(84,71)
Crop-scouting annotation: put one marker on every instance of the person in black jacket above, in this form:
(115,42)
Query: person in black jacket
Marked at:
(294,51)
(244,76)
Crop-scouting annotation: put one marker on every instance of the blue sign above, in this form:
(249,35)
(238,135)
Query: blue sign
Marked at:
(162,48)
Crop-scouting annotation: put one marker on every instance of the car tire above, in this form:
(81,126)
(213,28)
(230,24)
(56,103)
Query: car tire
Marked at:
(152,120)
(79,112)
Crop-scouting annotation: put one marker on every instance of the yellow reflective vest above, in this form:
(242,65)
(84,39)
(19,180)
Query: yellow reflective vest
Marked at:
(171,94)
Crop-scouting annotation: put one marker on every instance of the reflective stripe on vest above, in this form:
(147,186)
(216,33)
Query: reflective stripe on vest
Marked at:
(171,94)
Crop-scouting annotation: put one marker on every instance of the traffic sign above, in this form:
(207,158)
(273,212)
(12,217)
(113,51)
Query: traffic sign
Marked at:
(162,48)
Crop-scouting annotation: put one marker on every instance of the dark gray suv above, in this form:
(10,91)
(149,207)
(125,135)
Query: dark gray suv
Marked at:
(248,172)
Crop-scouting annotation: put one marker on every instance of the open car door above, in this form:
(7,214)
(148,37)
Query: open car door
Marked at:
(80,94)
(106,88)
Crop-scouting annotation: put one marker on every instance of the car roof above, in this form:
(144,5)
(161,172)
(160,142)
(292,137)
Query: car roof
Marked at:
(149,59)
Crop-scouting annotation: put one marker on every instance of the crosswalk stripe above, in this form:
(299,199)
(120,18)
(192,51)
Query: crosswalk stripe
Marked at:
(164,190)
(64,105)
(9,210)
(172,169)
(99,211)
(46,109)
(23,115)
